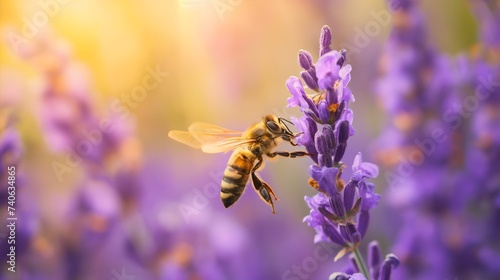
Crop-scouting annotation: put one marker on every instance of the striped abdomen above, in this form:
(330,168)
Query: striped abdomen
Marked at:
(236,176)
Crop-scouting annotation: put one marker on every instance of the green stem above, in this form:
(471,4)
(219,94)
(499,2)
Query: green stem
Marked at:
(361,263)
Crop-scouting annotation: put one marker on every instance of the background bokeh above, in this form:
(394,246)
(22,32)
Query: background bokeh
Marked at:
(141,204)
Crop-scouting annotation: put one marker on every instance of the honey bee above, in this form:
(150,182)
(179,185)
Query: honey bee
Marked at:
(248,148)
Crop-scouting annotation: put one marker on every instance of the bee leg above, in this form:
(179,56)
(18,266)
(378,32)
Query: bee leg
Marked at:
(264,190)
(288,154)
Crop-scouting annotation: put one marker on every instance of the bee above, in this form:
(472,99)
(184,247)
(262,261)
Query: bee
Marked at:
(248,148)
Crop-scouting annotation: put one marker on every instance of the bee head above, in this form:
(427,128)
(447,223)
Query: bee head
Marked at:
(278,127)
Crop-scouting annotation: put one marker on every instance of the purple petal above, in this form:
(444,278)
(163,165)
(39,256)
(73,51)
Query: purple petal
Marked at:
(347,94)
(299,97)
(309,129)
(343,58)
(357,162)
(370,198)
(390,262)
(324,113)
(354,234)
(325,140)
(349,194)
(295,87)
(339,153)
(330,231)
(337,205)
(320,143)
(331,96)
(344,233)
(325,160)
(357,276)
(309,80)
(363,221)
(327,70)
(345,71)
(343,132)
(364,169)
(374,259)
(326,177)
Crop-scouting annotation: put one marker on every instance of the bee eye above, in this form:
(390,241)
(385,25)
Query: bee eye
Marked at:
(273,127)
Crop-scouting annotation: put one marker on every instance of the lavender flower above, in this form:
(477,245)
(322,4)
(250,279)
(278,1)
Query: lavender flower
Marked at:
(66,112)
(339,212)
(442,235)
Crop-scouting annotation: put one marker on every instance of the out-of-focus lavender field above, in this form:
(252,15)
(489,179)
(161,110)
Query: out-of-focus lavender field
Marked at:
(90,89)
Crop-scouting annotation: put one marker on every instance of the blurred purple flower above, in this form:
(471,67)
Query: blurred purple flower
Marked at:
(439,196)
(69,121)
(378,270)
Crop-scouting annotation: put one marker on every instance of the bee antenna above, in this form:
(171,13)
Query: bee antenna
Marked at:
(283,120)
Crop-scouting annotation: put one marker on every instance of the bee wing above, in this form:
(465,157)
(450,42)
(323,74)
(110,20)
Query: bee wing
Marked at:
(185,137)
(212,129)
(226,145)
(210,138)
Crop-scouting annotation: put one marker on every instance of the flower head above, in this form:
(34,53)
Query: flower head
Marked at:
(339,212)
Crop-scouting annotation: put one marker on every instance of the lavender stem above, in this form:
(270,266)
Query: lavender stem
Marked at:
(361,263)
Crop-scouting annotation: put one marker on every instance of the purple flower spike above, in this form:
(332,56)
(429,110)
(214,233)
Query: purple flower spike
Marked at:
(374,259)
(339,213)
(325,40)
(390,262)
